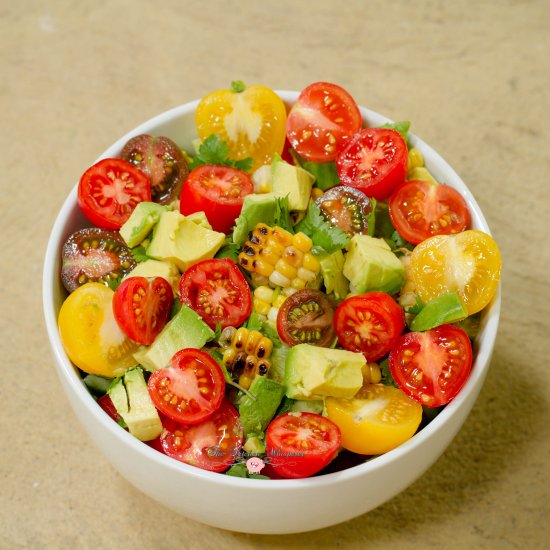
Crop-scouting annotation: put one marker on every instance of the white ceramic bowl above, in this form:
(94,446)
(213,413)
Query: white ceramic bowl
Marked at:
(272,506)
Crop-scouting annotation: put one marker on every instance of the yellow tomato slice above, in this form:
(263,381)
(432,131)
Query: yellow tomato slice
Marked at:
(375,421)
(468,263)
(90,334)
(251,121)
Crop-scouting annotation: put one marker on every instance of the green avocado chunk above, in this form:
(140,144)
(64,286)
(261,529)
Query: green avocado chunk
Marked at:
(292,181)
(371,266)
(447,308)
(313,373)
(256,209)
(331,270)
(185,330)
(255,414)
(157,268)
(131,399)
(141,222)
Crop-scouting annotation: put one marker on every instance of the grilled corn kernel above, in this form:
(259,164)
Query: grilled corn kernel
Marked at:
(371,373)
(261,307)
(285,269)
(272,315)
(278,302)
(316,193)
(415,159)
(302,242)
(264,293)
(298,283)
(281,235)
(262,268)
(293,256)
(311,262)
(278,279)
(252,341)
(307,275)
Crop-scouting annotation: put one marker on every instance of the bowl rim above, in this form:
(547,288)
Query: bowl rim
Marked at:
(68,372)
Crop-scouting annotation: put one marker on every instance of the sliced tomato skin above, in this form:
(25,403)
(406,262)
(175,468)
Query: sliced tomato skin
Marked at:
(142,307)
(374,161)
(421,209)
(323,117)
(371,310)
(180,382)
(319,319)
(432,367)
(206,445)
(202,191)
(107,405)
(127,186)
(227,310)
(163,163)
(284,435)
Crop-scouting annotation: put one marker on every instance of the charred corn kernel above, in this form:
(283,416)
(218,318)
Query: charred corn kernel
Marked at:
(261,307)
(259,280)
(307,275)
(302,242)
(264,293)
(285,269)
(272,251)
(298,284)
(279,279)
(282,236)
(278,302)
(262,268)
(371,373)
(415,159)
(293,256)
(226,337)
(248,355)
(316,193)
(311,262)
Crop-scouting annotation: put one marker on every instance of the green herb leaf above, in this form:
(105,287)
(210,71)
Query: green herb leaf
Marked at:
(215,151)
(237,470)
(113,284)
(229,250)
(387,378)
(417,308)
(255,322)
(238,86)
(139,254)
(325,173)
(402,127)
(282,215)
(321,232)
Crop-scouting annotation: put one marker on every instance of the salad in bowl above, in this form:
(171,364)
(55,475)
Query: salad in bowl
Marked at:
(284,287)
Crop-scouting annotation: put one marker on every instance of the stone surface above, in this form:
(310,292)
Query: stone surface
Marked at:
(472,77)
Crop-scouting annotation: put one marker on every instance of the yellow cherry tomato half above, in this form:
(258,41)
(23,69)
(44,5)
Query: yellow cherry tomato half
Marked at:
(251,119)
(90,334)
(468,263)
(375,421)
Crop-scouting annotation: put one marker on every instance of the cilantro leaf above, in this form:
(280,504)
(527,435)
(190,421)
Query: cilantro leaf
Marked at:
(139,254)
(229,250)
(325,173)
(215,151)
(401,126)
(322,233)
(387,378)
(282,215)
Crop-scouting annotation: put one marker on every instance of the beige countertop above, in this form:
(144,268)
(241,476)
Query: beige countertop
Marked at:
(473,77)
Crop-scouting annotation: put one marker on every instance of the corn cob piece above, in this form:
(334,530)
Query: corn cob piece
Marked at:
(371,373)
(267,301)
(285,259)
(415,167)
(248,355)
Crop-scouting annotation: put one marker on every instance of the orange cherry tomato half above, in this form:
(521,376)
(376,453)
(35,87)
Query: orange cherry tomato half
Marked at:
(190,389)
(422,209)
(432,366)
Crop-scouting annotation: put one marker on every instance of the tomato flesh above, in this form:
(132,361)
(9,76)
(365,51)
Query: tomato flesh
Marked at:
(374,161)
(323,117)
(369,323)
(190,389)
(163,163)
(210,445)
(217,291)
(94,255)
(305,317)
(218,191)
(431,367)
(142,307)
(421,209)
(301,444)
(347,208)
(109,191)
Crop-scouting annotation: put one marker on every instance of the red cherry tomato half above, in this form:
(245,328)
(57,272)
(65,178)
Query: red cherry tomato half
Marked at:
(142,307)
(108,406)
(301,444)
(306,318)
(322,118)
(374,161)
(163,163)
(218,191)
(210,445)
(369,323)
(190,389)
(217,291)
(431,367)
(109,191)
(421,209)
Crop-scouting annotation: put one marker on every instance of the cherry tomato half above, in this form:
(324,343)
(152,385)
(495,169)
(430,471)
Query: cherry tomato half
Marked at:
(306,318)
(301,444)
(422,209)
(322,118)
(94,255)
(374,161)
(376,420)
(432,366)
(142,307)
(347,208)
(190,389)
(369,323)
(210,445)
(218,191)
(163,163)
(109,191)
(217,291)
